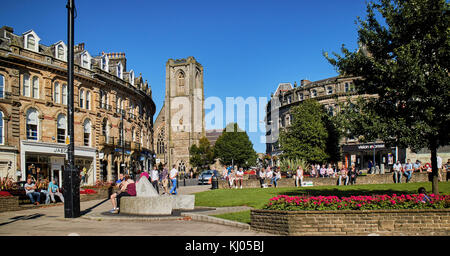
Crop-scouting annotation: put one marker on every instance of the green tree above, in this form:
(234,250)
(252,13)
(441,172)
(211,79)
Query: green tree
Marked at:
(311,136)
(202,155)
(235,147)
(404,61)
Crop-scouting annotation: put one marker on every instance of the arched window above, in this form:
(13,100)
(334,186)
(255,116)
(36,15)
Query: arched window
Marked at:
(31,42)
(180,83)
(346,87)
(329,90)
(35,84)
(64,94)
(81,98)
(105,129)
(181,166)
(32,124)
(87,132)
(300,96)
(160,143)
(313,93)
(198,82)
(61,128)
(26,85)
(2,131)
(133,134)
(88,100)
(56,93)
(2,86)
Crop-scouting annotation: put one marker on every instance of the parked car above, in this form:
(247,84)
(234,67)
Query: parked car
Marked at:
(204,177)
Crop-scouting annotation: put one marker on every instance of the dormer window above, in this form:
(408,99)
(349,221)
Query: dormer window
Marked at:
(131,77)
(105,63)
(31,41)
(85,61)
(120,71)
(60,50)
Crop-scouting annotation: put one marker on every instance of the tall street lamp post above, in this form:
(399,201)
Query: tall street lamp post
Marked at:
(71,176)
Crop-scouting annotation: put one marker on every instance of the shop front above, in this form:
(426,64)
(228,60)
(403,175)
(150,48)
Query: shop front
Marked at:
(381,155)
(48,160)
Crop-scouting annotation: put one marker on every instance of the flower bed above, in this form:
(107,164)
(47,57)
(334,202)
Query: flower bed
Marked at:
(5,194)
(87,192)
(374,202)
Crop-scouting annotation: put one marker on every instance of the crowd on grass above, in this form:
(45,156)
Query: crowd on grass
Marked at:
(270,176)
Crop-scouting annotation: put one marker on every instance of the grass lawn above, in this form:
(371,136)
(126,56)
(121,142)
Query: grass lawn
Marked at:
(258,197)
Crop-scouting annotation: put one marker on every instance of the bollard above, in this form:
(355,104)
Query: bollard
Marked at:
(214,182)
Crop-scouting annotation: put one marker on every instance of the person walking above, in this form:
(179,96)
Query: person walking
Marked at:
(173,177)
(165,180)
(154,178)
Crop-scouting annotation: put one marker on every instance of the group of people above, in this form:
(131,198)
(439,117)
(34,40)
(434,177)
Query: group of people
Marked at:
(233,177)
(271,174)
(127,186)
(50,190)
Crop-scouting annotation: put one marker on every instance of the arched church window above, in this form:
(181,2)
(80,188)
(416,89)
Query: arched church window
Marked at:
(160,149)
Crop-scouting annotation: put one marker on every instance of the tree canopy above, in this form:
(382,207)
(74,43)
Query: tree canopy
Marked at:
(404,61)
(311,135)
(201,155)
(235,147)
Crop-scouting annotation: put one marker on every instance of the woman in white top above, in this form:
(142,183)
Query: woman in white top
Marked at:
(262,176)
(231,177)
(239,177)
(269,174)
(299,176)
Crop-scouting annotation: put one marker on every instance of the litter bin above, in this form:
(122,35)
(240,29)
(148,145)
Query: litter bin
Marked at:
(214,182)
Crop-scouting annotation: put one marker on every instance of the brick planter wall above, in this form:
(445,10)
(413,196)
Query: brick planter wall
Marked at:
(352,223)
(9,203)
(102,193)
(368,179)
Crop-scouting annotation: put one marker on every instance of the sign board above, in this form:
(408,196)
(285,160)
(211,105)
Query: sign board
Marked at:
(307,184)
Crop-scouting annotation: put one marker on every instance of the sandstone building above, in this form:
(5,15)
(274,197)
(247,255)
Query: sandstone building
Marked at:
(181,121)
(113,111)
(330,92)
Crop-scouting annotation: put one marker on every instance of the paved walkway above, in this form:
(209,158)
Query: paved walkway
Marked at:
(96,221)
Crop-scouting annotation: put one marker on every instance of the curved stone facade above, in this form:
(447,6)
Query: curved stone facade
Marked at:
(33,104)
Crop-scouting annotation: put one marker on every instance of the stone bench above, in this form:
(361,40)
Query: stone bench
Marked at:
(154,205)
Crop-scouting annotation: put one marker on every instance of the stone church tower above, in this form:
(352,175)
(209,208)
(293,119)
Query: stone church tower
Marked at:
(181,121)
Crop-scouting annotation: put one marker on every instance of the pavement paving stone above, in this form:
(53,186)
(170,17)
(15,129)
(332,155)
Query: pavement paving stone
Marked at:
(95,221)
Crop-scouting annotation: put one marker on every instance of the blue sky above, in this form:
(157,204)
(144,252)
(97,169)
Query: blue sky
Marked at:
(246,47)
